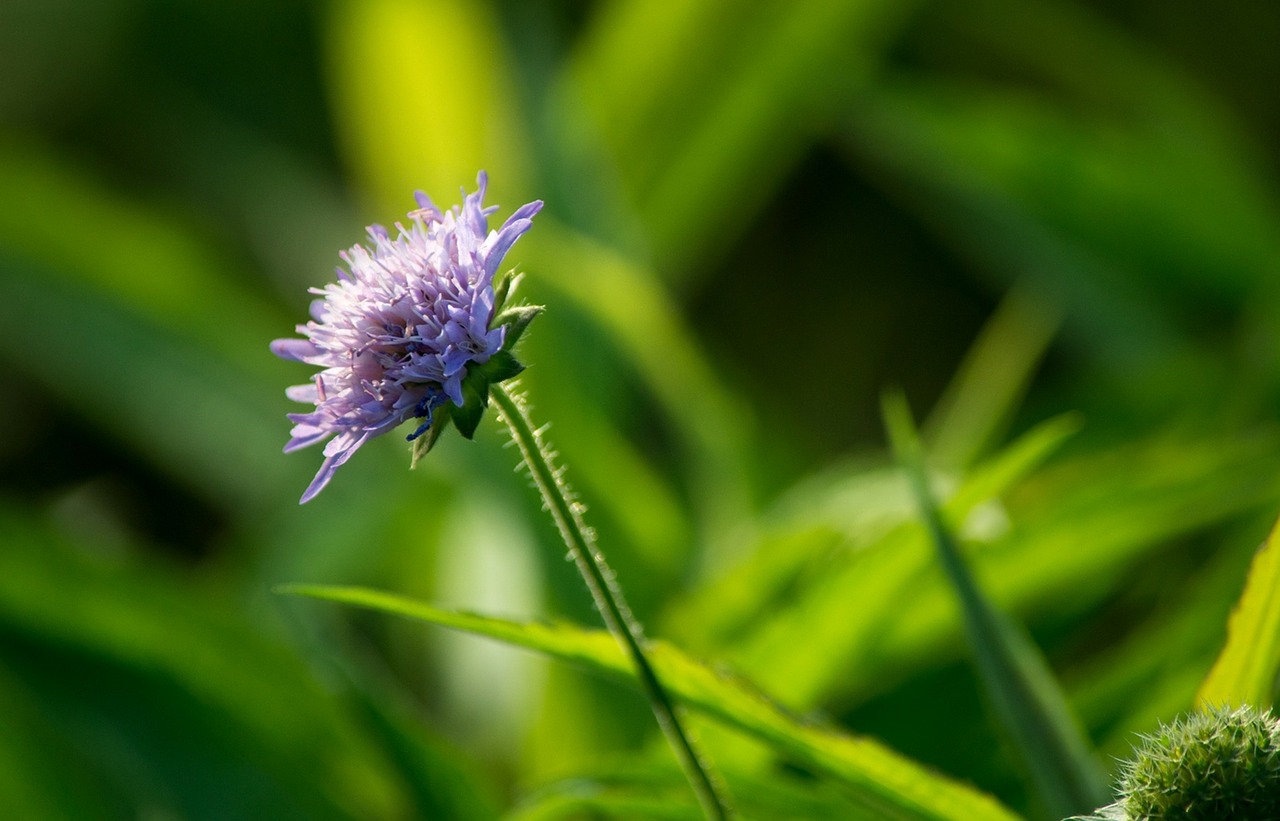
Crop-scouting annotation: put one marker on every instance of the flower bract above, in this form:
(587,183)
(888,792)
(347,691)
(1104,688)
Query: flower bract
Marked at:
(412,326)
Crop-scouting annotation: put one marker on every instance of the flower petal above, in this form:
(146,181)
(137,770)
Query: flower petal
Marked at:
(298,350)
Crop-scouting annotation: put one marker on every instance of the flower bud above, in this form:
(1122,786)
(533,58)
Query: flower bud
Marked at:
(1219,765)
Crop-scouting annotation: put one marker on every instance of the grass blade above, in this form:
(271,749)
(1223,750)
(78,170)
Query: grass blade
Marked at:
(1246,670)
(995,374)
(896,786)
(1027,700)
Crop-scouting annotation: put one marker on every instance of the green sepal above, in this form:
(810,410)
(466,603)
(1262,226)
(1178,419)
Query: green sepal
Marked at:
(499,368)
(504,288)
(516,318)
(475,389)
(475,398)
(424,443)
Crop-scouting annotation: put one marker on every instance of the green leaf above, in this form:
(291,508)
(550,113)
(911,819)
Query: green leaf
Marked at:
(1246,670)
(653,788)
(1027,699)
(896,786)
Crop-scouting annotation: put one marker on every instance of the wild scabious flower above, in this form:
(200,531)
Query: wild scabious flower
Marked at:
(415,324)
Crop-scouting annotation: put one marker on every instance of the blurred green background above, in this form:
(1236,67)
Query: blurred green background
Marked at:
(759,216)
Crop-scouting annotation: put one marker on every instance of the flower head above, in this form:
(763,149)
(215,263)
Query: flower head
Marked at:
(413,324)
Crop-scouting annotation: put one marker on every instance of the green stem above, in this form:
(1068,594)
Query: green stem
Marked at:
(600,580)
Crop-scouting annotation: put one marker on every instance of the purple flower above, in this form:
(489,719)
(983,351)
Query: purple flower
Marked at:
(396,333)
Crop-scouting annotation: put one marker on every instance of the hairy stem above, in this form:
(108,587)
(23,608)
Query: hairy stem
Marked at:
(600,580)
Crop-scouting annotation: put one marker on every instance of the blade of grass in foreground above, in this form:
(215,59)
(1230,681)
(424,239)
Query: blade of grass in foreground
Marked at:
(993,377)
(1246,670)
(896,786)
(1026,698)
(644,788)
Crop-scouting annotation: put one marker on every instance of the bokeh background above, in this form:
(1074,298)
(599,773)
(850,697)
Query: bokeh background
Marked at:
(759,216)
